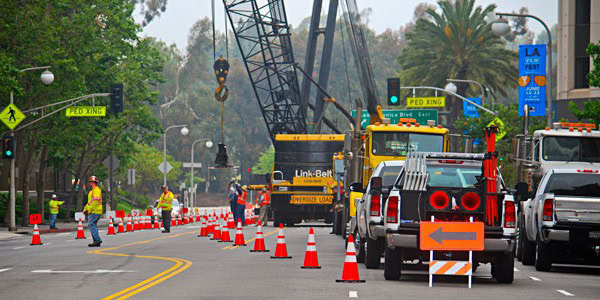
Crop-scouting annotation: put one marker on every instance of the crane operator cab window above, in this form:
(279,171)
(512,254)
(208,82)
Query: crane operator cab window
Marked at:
(401,143)
(560,148)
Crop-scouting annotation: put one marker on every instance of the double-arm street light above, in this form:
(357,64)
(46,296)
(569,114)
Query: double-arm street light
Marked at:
(47,78)
(500,27)
(184,132)
(208,144)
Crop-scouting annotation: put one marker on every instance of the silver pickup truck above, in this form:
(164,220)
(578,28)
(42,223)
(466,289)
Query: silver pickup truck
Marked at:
(562,219)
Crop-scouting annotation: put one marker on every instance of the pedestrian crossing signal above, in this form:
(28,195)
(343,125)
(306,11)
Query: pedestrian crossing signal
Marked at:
(393,91)
(8,147)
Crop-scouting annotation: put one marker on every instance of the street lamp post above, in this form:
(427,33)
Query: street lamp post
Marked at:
(451,81)
(184,132)
(500,27)
(208,144)
(47,78)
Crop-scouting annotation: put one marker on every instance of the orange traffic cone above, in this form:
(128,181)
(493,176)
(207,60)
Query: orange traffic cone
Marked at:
(239,235)
(179,221)
(156,221)
(217,231)
(186,220)
(311,260)
(281,249)
(203,229)
(136,224)
(225,238)
(230,221)
(129,225)
(111,227)
(259,242)
(36,239)
(80,232)
(173,221)
(209,225)
(350,272)
(120,228)
(148,223)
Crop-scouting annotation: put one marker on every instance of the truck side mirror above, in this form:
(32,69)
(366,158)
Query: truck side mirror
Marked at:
(357,187)
(522,191)
(376,186)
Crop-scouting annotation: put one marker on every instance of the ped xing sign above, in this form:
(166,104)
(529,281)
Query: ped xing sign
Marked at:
(532,79)
(453,236)
(426,102)
(85,111)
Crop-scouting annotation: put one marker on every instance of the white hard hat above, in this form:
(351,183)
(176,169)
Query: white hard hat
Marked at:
(54,196)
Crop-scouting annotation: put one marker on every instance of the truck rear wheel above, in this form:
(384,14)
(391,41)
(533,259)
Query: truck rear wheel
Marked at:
(374,250)
(543,256)
(392,269)
(504,268)
(527,248)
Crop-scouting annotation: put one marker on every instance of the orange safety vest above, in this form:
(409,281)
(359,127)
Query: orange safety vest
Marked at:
(242,198)
(266,200)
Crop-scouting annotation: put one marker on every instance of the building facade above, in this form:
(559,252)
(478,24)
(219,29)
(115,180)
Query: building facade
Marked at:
(578,25)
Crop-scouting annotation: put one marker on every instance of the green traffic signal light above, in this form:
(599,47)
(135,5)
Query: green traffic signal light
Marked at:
(8,153)
(394,99)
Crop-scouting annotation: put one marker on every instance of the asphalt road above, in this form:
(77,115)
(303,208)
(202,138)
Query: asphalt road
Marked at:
(151,265)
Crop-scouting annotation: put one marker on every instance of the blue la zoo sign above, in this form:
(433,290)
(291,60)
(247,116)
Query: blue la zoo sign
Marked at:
(532,79)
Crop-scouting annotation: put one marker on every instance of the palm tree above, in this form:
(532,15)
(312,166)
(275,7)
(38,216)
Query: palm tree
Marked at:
(458,43)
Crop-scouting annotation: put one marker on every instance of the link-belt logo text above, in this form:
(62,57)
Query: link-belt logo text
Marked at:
(317,173)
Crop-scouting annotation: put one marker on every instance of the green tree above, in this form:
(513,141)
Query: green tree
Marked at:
(265,162)
(457,43)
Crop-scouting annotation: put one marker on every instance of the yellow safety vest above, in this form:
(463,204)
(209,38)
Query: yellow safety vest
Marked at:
(54,206)
(94,205)
(166,201)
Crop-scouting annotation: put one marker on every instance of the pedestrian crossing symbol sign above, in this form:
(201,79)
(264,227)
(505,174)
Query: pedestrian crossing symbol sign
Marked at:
(12,116)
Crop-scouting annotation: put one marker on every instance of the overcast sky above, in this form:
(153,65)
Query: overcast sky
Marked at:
(173,26)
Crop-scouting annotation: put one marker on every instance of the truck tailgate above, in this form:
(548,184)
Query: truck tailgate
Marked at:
(577,209)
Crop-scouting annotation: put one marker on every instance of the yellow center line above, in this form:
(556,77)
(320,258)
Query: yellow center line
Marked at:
(180,266)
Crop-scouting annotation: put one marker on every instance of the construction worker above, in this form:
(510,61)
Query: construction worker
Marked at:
(233,198)
(241,205)
(166,203)
(93,210)
(265,204)
(54,207)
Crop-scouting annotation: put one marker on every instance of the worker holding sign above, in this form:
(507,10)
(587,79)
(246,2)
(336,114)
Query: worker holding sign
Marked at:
(54,208)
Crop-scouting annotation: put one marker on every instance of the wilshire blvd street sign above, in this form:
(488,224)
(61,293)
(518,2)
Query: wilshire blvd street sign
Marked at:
(421,115)
(86,111)
(426,102)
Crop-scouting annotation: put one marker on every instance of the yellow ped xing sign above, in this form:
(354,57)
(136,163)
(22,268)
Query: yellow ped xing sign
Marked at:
(86,111)
(501,129)
(11,116)
(426,102)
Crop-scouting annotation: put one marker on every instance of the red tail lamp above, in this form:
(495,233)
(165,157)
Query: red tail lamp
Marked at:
(439,200)
(470,201)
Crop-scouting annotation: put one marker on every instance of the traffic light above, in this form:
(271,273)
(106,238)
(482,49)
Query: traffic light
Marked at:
(116,98)
(393,91)
(8,147)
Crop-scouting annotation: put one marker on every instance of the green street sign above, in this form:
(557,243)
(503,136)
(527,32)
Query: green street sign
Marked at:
(421,115)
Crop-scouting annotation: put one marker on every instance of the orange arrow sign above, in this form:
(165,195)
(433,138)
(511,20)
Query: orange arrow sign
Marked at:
(454,236)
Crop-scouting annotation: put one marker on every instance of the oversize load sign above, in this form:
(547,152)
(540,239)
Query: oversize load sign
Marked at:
(86,111)
(532,79)
(312,199)
(453,236)
(426,102)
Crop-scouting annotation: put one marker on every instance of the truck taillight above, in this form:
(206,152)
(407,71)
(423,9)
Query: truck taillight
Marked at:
(439,200)
(548,210)
(392,209)
(509,214)
(375,206)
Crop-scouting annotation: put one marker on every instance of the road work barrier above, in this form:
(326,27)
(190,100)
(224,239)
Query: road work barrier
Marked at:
(80,232)
(311,259)
(239,235)
(259,241)
(281,248)
(350,272)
